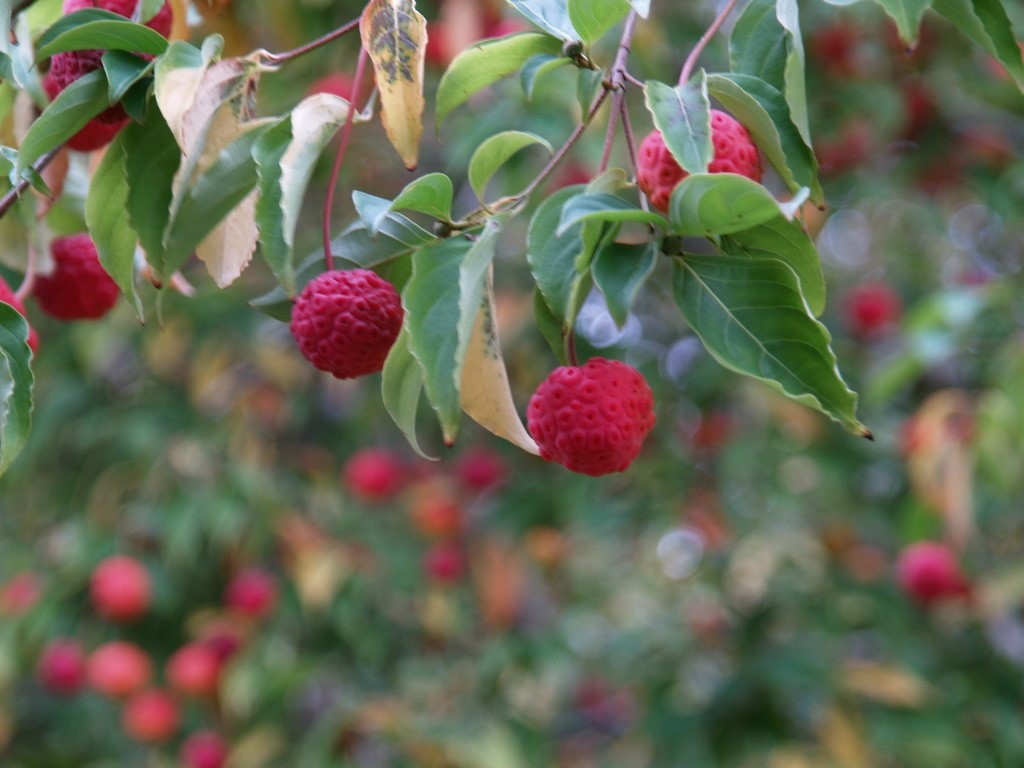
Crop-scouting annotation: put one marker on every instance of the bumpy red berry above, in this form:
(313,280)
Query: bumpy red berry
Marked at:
(345,322)
(592,418)
(929,572)
(7,296)
(67,66)
(78,288)
(658,173)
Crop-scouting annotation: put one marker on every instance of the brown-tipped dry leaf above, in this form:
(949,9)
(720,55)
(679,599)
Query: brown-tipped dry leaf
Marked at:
(394,35)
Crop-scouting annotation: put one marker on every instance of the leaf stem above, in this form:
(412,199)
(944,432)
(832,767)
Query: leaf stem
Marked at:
(616,83)
(281,58)
(691,60)
(346,134)
(15,192)
(29,281)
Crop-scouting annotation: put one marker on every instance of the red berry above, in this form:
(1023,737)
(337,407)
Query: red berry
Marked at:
(835,46)
(160,23)
(7,297)
(336,84)
(193,670)
(658,173)
(79,288)
(151,716)
(444,563)
(61,667)
(871,309)
(19,593)
(119,669)
(436,513)
(204,749)
(252,592)
(481,470)
(592,418)
(928,571)
(374,474)
(346,321)
(120,588)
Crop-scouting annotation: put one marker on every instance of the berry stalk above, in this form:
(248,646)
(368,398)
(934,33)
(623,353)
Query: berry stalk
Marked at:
(691,60)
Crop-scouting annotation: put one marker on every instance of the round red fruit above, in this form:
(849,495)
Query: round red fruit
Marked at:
(658,173)
(252,592)
(61,667)
(79,288)
(592,418)
(345,322)
(929,573)
(871,309)
(7,297)
(374,474)
(480,470)
(204,749)
(444,563)
(19,593)
(120,588)
(151,716)
(193,670)
(119,669)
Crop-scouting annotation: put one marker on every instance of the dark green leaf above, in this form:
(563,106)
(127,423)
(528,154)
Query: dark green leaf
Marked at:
(402,387)
(987,23)
(620,270)
(553,257)
(707,204)
(16,383)
(550,327)
(276,252)
(494,152)
(123,71)
(75,106)
(537,67)
(683,115)
(485,63)
(751,317)
(98,29)
(603,206)
(106,213)
(431,194)
(151,161)
(907,14)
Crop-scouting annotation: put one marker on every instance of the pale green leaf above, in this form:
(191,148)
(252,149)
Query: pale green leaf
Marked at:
(683,115)
(494,152)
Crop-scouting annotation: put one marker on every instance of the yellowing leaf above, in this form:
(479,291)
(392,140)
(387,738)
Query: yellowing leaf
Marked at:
(485,394)
(889,685)
(394,35)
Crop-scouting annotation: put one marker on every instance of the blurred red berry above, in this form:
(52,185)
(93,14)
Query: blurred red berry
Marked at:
(119,669)
(374,474)
(480,470)
(929,573)
(872,309)
(444,563)
(336,84)
(151,716)
(79,288)
(193,670)
(252,592)
(120,588)
(61,667)
(835,47)
(436,513)
(7,296)
(204,749)
(19,593)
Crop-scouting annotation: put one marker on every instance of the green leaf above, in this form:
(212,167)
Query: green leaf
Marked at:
(986,22)
(151,160)
(593,18)
(538,66)
(75,106)
(487,62)
(5,26)
(371,209)
(553,257)
(907,14)
(494,152)
(751,317)
(786,241)
(123,71)
(94,28)
(442,300)
(550,327)
(763,110)
(765,45)
(401,389)
(550,15)
(211,197)
(707,204)
(431,194)
(606,207)
(620,270)
(16,383)
(106,214)
(683,115)
(268,152)
(396,235)
(588,83)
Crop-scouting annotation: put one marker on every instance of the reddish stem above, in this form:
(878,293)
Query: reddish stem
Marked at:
(691,60)
(281,58)
(346,134)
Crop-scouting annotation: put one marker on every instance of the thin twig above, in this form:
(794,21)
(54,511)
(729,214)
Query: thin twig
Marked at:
(627,129)
(15,192)
(346,134)
(29,281)
(280,58)
(633,80)
(691,60)
(616,80)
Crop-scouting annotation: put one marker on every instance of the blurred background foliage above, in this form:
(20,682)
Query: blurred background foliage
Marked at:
(730,601)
